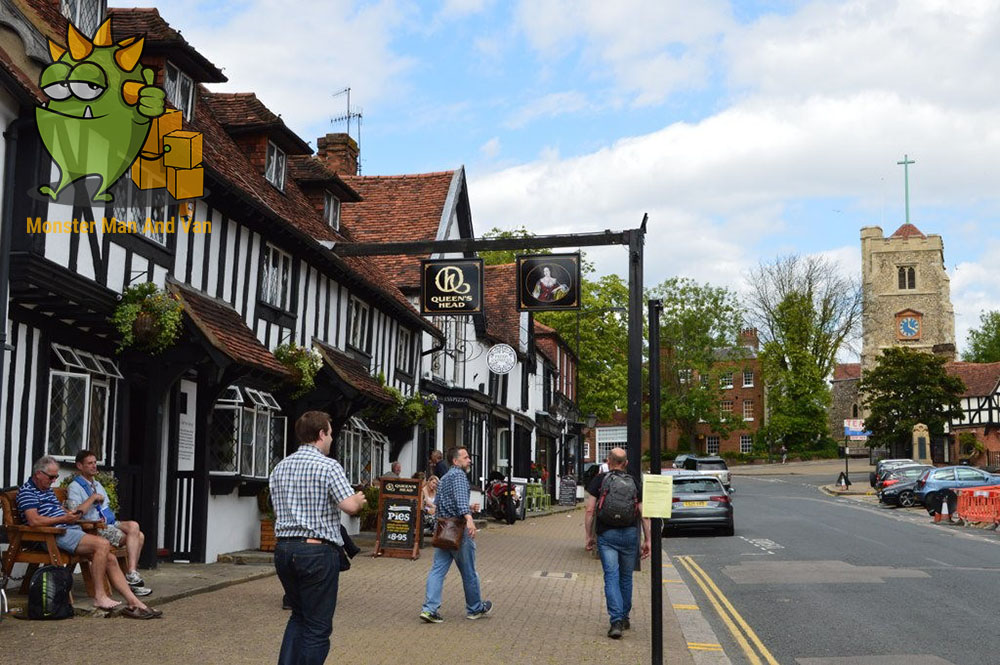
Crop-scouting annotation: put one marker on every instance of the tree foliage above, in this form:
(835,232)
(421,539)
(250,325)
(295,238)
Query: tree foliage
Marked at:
(699,338)
(502,256)
(836,312)
(908,387)
(984,342)
(798,395)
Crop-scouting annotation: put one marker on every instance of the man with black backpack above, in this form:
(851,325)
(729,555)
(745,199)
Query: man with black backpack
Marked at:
(613,511)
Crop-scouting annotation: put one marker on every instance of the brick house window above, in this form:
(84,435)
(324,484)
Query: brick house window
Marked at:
(331,211)
(746,444)
(726,407)
(726,380)
(274,166)
(712,444)
(748,409)
(748,378)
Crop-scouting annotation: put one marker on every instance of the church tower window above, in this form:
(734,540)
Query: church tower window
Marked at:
(907,277)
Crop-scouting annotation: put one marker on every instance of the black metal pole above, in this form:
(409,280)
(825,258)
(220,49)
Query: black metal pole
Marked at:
(655,523)
(635,318)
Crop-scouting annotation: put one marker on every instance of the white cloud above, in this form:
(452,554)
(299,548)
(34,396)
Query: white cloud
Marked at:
(462,8)
(491,148)
(549,106)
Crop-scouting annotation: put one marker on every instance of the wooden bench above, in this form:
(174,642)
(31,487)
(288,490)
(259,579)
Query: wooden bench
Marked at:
(20,534)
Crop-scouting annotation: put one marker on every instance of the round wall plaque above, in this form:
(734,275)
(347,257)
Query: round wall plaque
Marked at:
(501,358)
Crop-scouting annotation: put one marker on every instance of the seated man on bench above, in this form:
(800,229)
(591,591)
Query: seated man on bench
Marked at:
(39,507)
(87,495)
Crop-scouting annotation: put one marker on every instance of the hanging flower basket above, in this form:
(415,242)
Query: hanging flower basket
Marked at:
(147,318)
(405,411)
(303,363)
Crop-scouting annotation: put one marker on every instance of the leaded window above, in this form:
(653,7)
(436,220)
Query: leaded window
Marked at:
(82,388)
(358,321)
(248,434)
(179,91)
(274,166)
(276,278)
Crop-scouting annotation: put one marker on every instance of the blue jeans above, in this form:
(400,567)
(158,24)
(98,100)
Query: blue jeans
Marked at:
(465,558)
(618,549)
(309,574)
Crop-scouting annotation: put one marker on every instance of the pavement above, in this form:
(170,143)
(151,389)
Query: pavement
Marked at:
(547,590)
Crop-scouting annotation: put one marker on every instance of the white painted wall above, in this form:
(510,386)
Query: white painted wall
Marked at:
(233,525)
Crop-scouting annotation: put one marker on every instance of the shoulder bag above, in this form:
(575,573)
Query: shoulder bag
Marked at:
(448,533)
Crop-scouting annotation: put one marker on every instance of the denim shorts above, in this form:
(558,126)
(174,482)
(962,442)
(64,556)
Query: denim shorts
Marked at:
(68,541)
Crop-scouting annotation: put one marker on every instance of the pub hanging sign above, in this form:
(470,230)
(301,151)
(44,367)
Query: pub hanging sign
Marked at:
(451,286)
(548,282)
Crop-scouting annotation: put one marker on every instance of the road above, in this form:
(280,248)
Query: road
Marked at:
(820,580)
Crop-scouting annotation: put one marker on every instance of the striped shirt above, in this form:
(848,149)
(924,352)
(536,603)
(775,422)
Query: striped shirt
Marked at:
(306,488)
(453,494)
(44,501)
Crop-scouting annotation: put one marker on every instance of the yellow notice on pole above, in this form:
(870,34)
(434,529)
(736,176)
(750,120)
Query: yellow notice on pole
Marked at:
(657,495)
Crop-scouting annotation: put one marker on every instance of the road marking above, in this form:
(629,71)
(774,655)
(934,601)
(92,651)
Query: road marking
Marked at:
(730,617)
(697,646)
(679,606)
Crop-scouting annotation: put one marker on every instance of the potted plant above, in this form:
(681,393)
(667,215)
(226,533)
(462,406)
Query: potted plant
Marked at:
(267,540)
(405,410)
(303,363)
(147,318)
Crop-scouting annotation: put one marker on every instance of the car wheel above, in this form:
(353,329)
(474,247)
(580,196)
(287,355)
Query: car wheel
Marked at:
(932,502)
(729,529)
(907,499)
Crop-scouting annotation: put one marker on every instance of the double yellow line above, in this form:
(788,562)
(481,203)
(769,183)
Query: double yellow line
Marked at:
(740,630)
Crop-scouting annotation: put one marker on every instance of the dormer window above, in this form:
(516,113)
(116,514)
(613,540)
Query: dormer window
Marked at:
(179,89)
(274,167)
(84,14)
(331,210)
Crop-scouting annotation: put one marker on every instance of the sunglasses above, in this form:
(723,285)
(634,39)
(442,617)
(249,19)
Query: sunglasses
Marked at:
(51,476)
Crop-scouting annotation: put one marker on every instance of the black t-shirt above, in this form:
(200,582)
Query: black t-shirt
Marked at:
(594,490)
(440,469)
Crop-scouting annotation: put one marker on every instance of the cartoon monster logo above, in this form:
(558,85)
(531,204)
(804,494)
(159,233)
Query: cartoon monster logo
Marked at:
(100,105)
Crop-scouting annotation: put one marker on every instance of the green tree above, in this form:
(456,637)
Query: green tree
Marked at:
(798,396)
(502,256)
(908,387)
(699,339)
(984,342)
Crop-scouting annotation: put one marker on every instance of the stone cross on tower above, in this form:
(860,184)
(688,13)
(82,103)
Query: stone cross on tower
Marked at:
(906,183)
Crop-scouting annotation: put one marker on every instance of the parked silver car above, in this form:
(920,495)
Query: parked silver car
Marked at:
(700,501)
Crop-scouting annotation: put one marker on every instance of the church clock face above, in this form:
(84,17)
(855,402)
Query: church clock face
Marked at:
(909,327)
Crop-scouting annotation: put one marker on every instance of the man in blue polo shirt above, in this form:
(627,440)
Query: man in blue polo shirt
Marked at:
(39,507)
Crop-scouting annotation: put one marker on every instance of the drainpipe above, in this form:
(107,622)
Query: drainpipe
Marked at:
(10,160)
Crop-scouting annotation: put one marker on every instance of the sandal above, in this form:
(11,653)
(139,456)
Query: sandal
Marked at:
(138,613)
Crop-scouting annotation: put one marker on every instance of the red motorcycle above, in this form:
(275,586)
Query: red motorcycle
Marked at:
(502,502)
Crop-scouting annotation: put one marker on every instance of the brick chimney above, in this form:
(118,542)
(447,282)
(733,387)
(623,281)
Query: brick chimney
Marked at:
(749,339)
(339,152)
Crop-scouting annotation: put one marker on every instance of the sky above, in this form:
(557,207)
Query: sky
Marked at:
(746,130)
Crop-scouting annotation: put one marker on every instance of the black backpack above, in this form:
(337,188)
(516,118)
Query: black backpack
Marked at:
(618,501)
(50,593)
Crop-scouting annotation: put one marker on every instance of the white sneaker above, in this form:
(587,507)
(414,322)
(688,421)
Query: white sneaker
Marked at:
(134,579)
(141,590)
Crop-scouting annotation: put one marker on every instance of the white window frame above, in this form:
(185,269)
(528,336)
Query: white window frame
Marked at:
(358,322)
(748,409)
(276,278)
(684,376)
(331,210)
(748,378)
(746,444)
(173,86)
(354,437)
(608,438)
(726,407)
(712,444)
(133,207)
(263,412)
(404,351)
(84,428)
(726,380)
(274,165)
(73,10)
(68,356)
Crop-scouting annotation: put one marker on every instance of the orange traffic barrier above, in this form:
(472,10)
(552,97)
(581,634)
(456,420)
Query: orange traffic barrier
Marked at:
(980,505)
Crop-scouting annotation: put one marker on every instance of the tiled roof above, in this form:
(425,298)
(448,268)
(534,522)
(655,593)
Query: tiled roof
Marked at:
(846,371)
(908,231)
(30,89)
(160,37)
(354,373)
(225,329)
(52,22)
(309,170)
(980,378)
(242,112)
(503,321)
(551,337)
(547,347)
(397,209)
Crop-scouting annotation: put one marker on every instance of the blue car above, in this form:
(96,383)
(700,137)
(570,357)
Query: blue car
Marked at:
(951,477)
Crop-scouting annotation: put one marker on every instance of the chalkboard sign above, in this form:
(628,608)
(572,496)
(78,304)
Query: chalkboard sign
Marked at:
(567,491)
(400,503)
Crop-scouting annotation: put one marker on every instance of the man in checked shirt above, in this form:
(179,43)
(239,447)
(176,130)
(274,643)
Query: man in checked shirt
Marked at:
(308,490)
(452,500)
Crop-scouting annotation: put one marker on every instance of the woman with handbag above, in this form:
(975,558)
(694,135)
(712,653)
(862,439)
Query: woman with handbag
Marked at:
(454,540)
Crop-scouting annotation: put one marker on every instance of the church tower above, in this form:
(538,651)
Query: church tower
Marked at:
(907,294)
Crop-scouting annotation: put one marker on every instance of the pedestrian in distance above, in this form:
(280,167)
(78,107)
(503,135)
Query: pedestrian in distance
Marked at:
(784,453)
(438,466)
(452,500)
(308,490)
(613,514)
